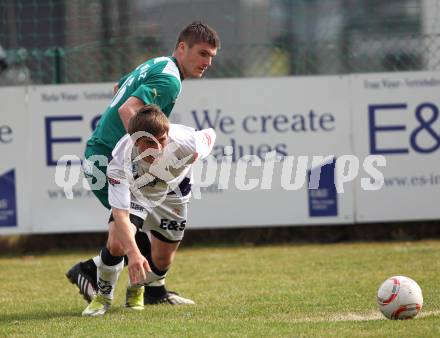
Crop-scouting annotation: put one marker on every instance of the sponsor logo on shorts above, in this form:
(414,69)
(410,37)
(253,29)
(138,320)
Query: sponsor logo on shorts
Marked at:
(167,224)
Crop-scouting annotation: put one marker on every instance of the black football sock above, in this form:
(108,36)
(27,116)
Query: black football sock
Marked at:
(155,291)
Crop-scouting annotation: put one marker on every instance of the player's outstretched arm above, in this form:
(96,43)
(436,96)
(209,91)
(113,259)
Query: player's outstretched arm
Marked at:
(138,266)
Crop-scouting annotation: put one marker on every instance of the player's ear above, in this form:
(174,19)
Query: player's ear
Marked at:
(182,46)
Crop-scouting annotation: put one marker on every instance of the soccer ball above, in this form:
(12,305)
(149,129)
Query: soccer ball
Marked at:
(400,297)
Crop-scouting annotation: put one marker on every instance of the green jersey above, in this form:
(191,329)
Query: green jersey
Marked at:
(157,81)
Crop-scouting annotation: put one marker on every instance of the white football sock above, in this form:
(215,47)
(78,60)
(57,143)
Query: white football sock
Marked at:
(151,280)
(107,277)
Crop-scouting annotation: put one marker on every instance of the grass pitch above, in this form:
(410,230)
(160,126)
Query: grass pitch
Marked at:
(265,291)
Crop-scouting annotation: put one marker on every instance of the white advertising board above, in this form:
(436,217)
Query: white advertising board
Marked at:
(291,116)
(14,170)
(63,118)
(398,116)
(394,115)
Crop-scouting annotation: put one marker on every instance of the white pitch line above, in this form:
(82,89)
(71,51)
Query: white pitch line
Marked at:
(355,317)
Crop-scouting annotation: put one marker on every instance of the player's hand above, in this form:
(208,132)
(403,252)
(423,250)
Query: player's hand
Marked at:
(138,268)
(115,88)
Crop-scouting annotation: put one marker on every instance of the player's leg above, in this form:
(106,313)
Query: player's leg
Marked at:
(163,251)
(160,253)
(165,227)
(83,274)
(109,266)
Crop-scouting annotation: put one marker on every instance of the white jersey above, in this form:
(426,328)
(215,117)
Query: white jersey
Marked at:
(131,179)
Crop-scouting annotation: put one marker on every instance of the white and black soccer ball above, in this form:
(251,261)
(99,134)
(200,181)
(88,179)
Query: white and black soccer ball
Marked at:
(400,297)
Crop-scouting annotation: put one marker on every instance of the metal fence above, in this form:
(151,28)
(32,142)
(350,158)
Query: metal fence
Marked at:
(60,41)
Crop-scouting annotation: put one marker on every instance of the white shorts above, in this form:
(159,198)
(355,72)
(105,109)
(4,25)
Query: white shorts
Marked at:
(167,218)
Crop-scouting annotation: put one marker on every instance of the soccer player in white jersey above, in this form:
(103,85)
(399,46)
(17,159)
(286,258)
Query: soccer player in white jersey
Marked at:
(156,81)
(149,190)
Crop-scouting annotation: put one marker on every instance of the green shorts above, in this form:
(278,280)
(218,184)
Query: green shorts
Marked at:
(90,171)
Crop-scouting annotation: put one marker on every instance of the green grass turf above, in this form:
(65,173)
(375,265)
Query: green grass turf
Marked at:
(265,291)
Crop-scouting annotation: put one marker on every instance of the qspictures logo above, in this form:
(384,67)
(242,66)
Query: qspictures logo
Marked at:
(295,172)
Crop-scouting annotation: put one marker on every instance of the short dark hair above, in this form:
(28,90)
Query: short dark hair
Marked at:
(150,119)
(197,32)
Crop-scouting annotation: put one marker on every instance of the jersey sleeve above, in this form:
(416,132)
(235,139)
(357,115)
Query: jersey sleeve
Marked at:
(204,142)
(122,80)
(189,143)
(118,186)
(160,90)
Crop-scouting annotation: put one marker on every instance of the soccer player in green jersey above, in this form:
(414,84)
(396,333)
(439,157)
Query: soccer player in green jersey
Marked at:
(157,81)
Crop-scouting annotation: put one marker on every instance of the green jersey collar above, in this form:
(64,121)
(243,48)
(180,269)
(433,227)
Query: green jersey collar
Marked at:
(180,72)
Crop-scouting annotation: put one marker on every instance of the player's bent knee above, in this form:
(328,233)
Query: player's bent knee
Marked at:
(162,262)
(163,253)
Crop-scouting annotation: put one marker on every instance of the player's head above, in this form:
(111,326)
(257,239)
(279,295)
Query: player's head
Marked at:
(150,127)
(196,46)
